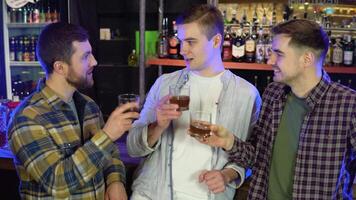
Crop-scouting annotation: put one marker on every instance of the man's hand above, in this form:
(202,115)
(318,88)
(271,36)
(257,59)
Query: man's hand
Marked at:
(214,179)
(120,120)
(220,137)
(165,113)
(116,191)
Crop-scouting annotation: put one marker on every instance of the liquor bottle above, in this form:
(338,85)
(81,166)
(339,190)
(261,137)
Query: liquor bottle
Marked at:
(26,50)
(19,18)
(162,40)
(274,17)
(255,17)
(260,48)
(24,14)
(225,17)
(244,18)
(348,51)
(337,53)
(42,12)
(330,50)
(173,49)
(36,13)
(13,15)
(132,59)
(250,48)
(12,49)
(234,19)
(54,13)
(19,49)
(268,47)
(227,45)
(238,47)
(48,13)
(264,18)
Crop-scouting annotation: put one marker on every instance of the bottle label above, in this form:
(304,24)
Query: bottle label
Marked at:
(259,52)
(250,46)
(348,56)
(238,52)
(337,56)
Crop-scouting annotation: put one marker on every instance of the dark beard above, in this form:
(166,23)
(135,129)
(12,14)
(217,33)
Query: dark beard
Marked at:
(78,83)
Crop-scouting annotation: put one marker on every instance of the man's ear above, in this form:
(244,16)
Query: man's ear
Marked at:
(60,67)
(217,40)
(308,59)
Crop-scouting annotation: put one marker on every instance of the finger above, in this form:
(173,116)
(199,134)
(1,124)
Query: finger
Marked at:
(127,106)
(202,175)
(169,107)
(164,100)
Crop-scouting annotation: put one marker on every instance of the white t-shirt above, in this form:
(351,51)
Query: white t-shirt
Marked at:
(190,157)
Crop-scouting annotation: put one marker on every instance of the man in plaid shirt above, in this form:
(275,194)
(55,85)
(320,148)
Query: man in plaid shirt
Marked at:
(304,144)
(62,148)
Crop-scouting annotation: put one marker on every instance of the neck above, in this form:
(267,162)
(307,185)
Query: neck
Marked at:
(306,83)
(61,87)
(213,68)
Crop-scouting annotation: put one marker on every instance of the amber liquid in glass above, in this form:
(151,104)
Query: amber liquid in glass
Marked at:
(200,129)
(182,101)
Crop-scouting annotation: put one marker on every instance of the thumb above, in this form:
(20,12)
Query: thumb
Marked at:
(202,175)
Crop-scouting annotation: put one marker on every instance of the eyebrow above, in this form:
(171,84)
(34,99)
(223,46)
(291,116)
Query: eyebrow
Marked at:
(189,39)
(86,53)
(278,51)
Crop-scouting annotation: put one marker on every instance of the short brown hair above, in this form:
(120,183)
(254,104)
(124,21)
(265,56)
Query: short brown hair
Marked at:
(304,34)
(55,43)
(208,17)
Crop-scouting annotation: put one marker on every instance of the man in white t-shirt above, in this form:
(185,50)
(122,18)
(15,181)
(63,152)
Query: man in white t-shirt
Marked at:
(176,165)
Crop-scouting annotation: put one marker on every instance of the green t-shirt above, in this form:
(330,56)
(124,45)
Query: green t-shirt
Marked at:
(280,185)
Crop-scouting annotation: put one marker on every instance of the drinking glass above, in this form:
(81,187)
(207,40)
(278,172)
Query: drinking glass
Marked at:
(180,95)
(200,122)
(127,98)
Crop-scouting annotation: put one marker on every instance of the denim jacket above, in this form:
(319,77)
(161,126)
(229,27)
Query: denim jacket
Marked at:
(238,108)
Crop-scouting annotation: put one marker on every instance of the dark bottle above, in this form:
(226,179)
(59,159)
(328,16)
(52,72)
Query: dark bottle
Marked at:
(162,47)
(268,47)
(13,15)
(260,47)
(19,49)
(36,13)
(250,48)
(234,19)
(54,12)
(42,11)
(48,13)
(348,51)
(227,45)
(238,47)
(173,49)
(12,49)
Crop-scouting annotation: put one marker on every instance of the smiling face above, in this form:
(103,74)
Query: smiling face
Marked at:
(286,61)
(82,63)
(198,52)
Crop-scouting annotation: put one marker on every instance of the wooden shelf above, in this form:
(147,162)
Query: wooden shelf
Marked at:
(245,66)
(25,64)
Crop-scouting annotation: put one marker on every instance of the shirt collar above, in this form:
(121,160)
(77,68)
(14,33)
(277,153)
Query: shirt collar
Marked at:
(315,95)
(50,95)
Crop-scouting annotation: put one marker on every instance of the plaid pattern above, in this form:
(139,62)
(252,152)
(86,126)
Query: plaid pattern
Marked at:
(325,162)
(57,156)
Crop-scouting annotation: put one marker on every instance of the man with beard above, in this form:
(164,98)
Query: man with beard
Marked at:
(304,143)
(62,148)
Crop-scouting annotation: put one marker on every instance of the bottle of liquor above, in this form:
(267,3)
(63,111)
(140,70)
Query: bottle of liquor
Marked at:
(54,13)
(162,40)
(42,11)
(337,52)
(12,49)
(19,49)
(234,19)
(268,47)
(274,17)
(48,14)
(260,47)
(255,17)
(225,17)
(132,59)
(330,50)
(250,48)
(227,45)
(348,51)
(173,49)
(238,47)
(264,18)
(36,13)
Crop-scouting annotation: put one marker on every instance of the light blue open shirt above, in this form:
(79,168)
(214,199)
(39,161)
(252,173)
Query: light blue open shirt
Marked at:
(238,109)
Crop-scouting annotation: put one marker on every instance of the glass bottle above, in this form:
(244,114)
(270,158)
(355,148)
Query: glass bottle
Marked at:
(238,47)
(227,45)
(337,52)
(250,48)
(132,59)
(348,51)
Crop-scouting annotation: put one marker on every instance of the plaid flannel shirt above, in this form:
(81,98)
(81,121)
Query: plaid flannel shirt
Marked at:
(325,162)
(58,156)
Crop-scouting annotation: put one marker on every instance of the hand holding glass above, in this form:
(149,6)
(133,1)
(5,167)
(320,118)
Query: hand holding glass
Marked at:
(180,95)
(200,123)
(127,98)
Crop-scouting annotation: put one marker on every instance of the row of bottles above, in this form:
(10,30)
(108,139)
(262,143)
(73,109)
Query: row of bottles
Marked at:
(246,46)
(21,87)
(41,11)
(342,51)
(168,45)
(23,48)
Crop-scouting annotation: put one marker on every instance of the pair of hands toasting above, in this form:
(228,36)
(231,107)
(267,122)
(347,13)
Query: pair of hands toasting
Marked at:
(216,180)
